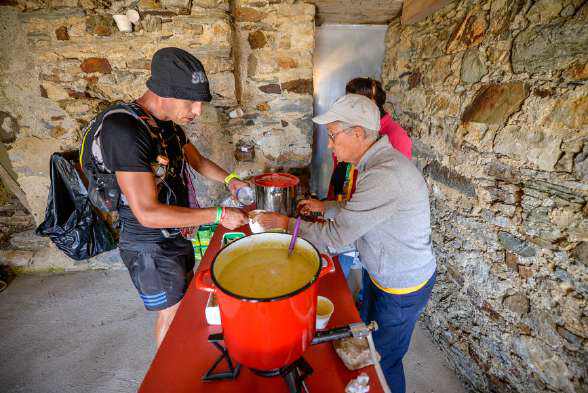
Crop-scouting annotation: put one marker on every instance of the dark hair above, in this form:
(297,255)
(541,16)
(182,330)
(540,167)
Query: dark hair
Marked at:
(370,88)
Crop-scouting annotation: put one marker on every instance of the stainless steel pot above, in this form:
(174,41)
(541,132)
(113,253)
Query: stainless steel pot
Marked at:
(276,192)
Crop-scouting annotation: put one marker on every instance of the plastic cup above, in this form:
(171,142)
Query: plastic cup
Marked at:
(253,224)
(133,16)
(123,23)
(256,227)
(324,310)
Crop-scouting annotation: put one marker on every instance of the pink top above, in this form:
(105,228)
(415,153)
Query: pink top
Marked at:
(398,137)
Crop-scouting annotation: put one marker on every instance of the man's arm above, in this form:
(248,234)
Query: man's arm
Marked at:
(373,202)
(203,165)
(140,190)
(209,169)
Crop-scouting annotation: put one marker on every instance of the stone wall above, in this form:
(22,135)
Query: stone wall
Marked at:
(61,65)
(62,61)
(495,97)
(275,42)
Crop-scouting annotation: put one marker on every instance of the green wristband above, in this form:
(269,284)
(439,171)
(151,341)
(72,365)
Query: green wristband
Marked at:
(219,213)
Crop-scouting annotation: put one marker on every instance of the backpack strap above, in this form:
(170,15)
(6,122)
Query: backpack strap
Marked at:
(102,180)
(94,147)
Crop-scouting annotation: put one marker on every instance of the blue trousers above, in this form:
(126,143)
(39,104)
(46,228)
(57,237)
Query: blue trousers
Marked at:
(396,316)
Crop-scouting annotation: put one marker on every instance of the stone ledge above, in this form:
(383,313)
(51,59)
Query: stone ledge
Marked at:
(51,259)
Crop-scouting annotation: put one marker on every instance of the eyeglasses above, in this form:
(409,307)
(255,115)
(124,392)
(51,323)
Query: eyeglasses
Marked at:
(333,135)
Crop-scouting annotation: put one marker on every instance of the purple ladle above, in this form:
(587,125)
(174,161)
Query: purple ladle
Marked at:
(294,236)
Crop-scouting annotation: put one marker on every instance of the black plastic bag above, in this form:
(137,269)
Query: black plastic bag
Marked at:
(70,221)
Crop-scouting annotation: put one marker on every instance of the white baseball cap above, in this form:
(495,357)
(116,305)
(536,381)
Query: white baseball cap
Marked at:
(354,109)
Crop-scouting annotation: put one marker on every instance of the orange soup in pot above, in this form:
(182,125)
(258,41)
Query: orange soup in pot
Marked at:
(267,271)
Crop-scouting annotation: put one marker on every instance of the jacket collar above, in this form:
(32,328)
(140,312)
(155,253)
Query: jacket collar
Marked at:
(378,146)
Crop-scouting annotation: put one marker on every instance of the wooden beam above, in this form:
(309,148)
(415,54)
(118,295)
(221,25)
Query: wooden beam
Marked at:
(8,177)
(13,187)
(416,10)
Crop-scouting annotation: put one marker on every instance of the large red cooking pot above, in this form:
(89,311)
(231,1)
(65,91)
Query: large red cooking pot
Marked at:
(266,333)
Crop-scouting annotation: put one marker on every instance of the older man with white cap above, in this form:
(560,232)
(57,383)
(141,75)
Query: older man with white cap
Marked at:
(388,218)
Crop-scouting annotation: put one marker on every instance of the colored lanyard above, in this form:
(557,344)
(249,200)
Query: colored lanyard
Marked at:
(349,181)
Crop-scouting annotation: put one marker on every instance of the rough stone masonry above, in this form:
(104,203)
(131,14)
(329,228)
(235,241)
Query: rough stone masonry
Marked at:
(494,94)
(495,97)
(62,61)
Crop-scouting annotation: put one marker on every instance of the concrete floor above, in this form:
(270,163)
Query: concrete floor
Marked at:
(88,332)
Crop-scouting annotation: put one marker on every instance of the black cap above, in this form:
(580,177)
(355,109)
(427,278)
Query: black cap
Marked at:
(176,73)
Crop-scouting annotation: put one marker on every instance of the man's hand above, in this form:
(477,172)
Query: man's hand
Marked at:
(269,221)
(234,185)
(307,206)
(234,218)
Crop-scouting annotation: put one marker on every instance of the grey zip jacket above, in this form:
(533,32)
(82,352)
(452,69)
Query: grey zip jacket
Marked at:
(388,218)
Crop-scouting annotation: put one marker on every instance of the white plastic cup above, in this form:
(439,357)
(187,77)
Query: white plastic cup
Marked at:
(133,16)
(123,23)
(324,310)
(253,224)
(212,311)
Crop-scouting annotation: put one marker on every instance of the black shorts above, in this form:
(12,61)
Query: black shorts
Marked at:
(159,270)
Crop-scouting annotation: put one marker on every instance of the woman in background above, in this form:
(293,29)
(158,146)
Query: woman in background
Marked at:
(342,184)
(372,89)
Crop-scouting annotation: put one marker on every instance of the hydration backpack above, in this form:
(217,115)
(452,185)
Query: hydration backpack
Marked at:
(70,221)
(103,190)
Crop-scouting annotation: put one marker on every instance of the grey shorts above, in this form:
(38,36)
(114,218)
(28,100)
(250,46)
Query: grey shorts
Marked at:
(160,271)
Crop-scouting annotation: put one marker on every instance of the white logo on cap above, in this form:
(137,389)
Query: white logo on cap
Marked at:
(198,77)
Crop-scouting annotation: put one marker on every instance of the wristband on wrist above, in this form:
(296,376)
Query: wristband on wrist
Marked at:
(219,213)
(230,177)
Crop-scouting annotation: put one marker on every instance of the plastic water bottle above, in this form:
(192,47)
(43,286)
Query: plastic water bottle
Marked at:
(245,195)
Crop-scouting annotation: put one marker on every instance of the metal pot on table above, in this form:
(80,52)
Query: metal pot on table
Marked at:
(276,192)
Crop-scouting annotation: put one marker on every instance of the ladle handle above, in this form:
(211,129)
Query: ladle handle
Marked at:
(200,284)
(330,268)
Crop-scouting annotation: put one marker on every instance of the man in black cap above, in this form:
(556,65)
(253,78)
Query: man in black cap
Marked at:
(147,150)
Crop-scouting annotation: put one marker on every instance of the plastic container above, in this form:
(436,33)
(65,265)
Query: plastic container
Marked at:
(212,311)
(245,151)
(201,239)
(230,237)
(245,195)
(253,224)
(196,246)
(133,16)
(324,310)
(123,23)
